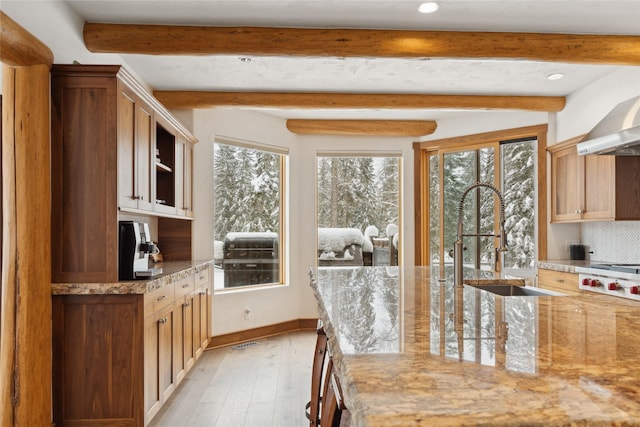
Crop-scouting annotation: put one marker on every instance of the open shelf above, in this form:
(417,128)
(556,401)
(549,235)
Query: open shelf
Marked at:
(165,166)
(161,167)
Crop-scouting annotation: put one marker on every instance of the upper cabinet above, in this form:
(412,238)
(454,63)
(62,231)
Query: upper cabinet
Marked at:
(184,178)
(114,147)
(593,188)
(135,148)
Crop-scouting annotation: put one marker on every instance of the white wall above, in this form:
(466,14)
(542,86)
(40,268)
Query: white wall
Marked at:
(295,300)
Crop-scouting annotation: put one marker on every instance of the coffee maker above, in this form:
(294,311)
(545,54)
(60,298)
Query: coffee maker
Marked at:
(134,246)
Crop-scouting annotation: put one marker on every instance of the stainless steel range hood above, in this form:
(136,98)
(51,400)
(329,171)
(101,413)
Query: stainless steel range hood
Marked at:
(617,134)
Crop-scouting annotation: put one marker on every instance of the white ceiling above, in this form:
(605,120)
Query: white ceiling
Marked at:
(369,75)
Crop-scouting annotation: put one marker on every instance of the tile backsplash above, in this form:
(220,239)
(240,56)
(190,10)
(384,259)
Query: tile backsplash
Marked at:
(612,241)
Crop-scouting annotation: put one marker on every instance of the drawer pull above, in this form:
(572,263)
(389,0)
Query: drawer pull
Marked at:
(162,321)
(560,280)
(202,277)
(161,298)
(186,285)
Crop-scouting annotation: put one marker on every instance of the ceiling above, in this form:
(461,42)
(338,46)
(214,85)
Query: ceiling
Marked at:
(489,76)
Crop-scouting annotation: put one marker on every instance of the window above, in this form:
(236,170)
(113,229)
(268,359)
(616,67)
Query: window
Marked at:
(510,165)
(358,210)
(248,214)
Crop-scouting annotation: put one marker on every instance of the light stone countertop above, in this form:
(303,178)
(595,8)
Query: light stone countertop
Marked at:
(565,265)
(171,271)
(522,361)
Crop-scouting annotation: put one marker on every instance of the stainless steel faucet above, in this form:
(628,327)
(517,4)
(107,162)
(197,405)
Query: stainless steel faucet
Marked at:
(457,246)
(457,260)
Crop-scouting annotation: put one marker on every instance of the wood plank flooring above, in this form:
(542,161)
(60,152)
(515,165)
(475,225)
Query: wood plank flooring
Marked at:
(266,384)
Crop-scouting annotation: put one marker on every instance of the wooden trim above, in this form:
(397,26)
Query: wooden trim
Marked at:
(566,143)
(25,371)
(8,291)
(207,99)
(542,194)
(20,48)
(338,42)
(481,138)
(362,127)
(262,332)
(421,200)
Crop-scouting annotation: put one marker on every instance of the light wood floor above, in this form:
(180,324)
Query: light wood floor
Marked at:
(267,384)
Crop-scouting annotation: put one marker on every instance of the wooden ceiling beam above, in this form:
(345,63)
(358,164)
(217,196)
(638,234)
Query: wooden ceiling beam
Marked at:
(266,41)
(20,48)
(362,127)
(204,99)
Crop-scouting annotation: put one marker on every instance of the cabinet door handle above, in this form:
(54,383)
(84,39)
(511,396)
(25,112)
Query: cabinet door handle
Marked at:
(186,285)
(202,277)
(187,304)
(138,197)
(578,211)
(161,298)
(162,321)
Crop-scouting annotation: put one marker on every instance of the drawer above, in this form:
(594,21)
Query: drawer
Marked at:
(202,278)
(558,281)
(184,286)
(158,299)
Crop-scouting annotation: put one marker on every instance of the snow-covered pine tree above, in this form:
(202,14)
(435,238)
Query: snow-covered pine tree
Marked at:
(225,170)
(264,204)
(387,185)
(519,191)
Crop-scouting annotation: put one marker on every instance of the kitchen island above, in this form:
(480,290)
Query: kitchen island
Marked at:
(405,357)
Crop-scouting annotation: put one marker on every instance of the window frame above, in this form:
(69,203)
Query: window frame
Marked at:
(422,154)
(373,154)
(283,242)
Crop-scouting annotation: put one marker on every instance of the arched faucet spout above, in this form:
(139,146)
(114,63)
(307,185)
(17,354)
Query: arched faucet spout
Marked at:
(457,247)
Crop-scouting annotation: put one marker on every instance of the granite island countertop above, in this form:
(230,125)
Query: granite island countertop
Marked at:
(171,271)
(518,361)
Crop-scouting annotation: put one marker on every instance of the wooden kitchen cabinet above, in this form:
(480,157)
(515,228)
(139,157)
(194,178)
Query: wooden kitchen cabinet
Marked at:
(559,281)
(184,348)
(184,178)
(133,350)
(105,129)
(135,150)
(160,377)
(97,360)
(593,187)
(203,307)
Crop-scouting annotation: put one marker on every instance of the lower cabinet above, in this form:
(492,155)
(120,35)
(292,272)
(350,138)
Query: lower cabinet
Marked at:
(118,358)
(559,281)
(160,377)
(202,304)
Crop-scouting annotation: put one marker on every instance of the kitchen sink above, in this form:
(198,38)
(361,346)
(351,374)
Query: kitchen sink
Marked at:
(516,291)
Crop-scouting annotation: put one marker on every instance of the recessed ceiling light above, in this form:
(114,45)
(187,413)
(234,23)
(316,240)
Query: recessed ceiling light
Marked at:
(555,76)
(428,7)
